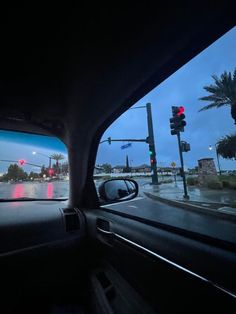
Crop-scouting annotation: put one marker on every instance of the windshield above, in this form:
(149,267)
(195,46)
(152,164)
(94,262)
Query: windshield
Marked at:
(32,166)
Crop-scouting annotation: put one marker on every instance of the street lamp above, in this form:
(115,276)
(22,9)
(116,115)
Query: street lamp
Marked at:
(50,159)
(217,157)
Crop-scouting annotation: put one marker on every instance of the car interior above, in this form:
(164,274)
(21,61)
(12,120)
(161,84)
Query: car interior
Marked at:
(68,71)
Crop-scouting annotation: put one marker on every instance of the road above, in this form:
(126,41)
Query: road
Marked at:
(154,210)
(142,206)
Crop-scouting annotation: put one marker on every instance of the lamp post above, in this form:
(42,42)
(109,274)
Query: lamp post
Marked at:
(50,159)
(217,157)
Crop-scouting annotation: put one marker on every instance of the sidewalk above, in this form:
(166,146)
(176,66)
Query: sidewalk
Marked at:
(202,198)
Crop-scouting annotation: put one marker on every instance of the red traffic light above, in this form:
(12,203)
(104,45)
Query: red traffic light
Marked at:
(50,172)
(21,162)
(180,111)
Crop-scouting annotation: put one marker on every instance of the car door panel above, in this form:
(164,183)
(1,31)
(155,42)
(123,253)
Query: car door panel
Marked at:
(171,271)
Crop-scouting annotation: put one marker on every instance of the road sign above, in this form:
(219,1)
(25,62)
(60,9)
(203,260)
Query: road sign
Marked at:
(126,146)
(173,164)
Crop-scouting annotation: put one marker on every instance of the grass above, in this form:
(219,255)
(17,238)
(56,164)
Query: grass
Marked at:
(230,178)
(228,181)
(192,181)
(215,185)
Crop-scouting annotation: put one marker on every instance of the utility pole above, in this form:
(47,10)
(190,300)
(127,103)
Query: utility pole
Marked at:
(182,167)
(151,143)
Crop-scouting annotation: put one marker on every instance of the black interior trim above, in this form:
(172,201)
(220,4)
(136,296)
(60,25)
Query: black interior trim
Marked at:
(173,264)
(190,234)
(56,243)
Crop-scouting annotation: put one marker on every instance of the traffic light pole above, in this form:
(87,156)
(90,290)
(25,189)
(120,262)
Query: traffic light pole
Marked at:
(182,167)
(126,140)
(151,141)
(16,161)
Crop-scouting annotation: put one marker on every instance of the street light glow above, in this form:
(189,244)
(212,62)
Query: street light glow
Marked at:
(37,153)
(210,147)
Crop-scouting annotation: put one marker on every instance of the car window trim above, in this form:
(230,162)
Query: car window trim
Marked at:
(206,239)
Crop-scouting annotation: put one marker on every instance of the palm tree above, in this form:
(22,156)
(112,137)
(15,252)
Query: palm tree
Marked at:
(226,146)
(223,93)
(57,157)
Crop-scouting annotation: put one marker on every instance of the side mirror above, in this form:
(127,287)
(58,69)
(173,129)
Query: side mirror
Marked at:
(118,190)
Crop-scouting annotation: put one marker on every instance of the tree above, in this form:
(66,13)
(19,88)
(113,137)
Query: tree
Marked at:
(107,168)
(127,167)
(14,172)
(43,171)
(33,175)
(222,93)
(65,167)
(226,146)
(57,157)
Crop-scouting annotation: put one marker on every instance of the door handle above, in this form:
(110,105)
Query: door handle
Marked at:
(104,231)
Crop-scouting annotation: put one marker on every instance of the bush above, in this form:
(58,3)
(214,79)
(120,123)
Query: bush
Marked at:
(215,185)
(167,181)
(226,184)
(232,185)
(192,181)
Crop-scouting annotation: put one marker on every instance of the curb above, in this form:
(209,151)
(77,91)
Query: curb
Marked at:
(192,207)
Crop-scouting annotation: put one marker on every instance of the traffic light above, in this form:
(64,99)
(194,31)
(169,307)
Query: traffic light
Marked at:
(50,172)
(151,150)
(185,147)
(21,162)
(109,140)
(152,154)
(177,122)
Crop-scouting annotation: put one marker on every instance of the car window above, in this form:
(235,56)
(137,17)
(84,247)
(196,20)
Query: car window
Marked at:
(179,143)
(32,166)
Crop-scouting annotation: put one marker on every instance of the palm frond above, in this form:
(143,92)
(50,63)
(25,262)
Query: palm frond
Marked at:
(212,105)
(222,92)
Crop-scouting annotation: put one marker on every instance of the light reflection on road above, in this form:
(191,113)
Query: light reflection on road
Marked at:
(18,190)
(47,190)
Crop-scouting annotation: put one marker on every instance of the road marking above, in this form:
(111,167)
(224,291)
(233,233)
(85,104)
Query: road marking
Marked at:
(133,206)
(119,203)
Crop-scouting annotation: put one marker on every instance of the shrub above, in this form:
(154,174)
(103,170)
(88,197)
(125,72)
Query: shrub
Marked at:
(226,184)
(232,185)
(167,181)
(215,185)
(192,181)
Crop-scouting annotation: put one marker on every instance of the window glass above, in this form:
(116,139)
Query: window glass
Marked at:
(32,166)
(144,144)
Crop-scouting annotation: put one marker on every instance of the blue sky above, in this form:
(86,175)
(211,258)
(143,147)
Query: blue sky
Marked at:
(16,145)
(184,88)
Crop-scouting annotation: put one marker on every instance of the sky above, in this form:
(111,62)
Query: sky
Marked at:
(16,146)
(183,88)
